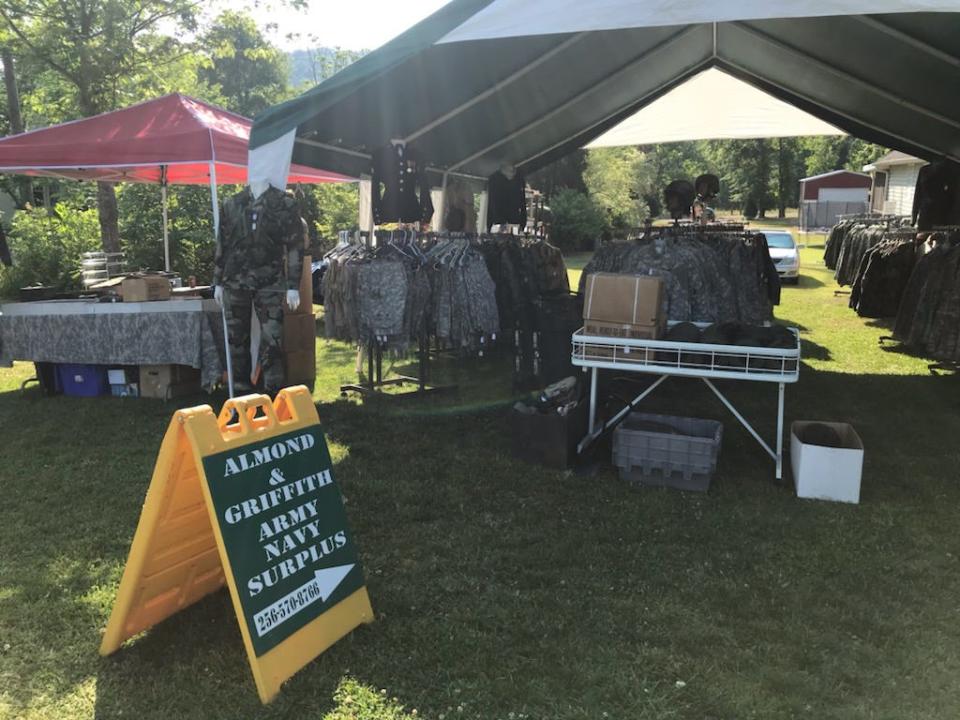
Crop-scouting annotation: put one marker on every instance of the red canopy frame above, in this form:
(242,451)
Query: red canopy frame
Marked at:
(174,139)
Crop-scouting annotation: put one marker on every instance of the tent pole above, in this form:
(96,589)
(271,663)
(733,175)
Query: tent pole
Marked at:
(223,313)
(166,232)
(443,203)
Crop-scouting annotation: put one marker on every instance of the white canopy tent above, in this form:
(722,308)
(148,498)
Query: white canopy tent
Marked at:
(736,111)
(485,83)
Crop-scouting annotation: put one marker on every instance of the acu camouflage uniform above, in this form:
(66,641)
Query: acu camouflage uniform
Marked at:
(259,257)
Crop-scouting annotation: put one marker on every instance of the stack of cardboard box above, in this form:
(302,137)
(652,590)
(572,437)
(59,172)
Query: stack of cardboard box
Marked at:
(624,306)
(300,333)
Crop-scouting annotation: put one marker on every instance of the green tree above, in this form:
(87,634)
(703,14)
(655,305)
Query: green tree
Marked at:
(567,172)
(669,162)
(100,54)
(243,68)
(745,169)
(46,248)
(578,221)
(824,154)
(788,172)
(618,180)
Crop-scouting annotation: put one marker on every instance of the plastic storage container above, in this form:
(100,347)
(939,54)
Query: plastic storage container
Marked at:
(83,380)
(667,451)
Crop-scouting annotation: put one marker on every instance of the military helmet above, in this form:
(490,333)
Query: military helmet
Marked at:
(707,186)
(679,198)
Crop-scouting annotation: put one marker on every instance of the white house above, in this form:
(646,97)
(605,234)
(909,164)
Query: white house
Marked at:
(894,181)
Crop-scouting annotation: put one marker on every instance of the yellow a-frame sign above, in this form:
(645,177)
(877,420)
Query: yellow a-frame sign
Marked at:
(247,498)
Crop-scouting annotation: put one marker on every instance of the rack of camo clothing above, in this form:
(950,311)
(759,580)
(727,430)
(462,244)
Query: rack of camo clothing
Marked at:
(715,273)
(850,239)
(874,255)
(393,291)
(928,319)
(536,308)
(459,293)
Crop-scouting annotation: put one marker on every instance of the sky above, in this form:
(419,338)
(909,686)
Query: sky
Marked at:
(350,24)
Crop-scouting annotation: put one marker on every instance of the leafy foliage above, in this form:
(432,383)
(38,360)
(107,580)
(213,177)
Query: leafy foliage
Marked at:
(247,71)
(618,180)
(100,50)
(311,66)
(46,248)
(824,154)
(190,229)
(578,221)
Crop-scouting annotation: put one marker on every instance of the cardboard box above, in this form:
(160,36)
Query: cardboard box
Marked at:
(299,332)
(624,300)
(306,289)
(827,473)
(145,288)
(300,367)
(168,381)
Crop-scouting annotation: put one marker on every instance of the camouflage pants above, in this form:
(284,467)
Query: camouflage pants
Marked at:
(269,309)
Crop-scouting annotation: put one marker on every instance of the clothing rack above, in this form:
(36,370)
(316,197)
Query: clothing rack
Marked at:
(375,382)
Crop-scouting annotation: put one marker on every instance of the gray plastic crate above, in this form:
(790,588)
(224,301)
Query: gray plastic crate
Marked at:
(651,455)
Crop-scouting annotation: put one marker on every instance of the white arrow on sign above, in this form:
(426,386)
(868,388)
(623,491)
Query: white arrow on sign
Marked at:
(330,578)
(320,587)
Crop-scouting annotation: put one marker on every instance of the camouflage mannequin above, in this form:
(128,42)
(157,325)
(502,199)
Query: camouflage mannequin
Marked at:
(257,264)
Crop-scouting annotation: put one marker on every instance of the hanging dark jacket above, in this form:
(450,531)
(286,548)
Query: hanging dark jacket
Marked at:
(508,200)
(405,193)
(936,199)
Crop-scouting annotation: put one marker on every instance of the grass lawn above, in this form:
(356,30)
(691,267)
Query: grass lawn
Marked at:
(509,591)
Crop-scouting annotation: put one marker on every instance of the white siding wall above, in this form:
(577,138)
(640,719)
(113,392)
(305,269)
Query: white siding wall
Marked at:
(901,182)
(843,194)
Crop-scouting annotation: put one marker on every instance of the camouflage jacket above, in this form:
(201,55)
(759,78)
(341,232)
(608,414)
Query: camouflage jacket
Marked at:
(261,242)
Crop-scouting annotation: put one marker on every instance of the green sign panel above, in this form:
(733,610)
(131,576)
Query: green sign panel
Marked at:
(285,531)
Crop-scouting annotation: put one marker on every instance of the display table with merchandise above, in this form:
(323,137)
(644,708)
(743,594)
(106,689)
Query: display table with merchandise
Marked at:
(176,332)
(705,361)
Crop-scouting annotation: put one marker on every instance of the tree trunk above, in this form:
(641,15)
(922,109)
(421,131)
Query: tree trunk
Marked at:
(107,206)
(781,180)
(16,119)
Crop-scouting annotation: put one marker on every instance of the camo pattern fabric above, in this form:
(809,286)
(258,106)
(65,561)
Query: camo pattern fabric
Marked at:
(395,297)
(706,279)
(882,278)
(269,308)
(187,337)
(261,242)
(849,240)
(929,315)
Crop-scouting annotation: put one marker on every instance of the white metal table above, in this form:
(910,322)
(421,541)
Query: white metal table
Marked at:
(705,361)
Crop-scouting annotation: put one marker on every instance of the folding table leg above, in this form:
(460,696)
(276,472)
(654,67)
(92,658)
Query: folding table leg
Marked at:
(780,431)
(593,400)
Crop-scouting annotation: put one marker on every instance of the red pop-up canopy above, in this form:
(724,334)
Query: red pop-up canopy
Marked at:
(174,138)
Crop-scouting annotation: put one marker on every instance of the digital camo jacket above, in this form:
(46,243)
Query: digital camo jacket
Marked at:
(261,242)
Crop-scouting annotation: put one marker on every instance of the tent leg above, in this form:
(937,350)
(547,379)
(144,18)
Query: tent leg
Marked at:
(166,231)
(223,313)
(442,210)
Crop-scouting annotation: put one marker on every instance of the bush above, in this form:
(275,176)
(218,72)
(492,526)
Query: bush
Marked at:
(750,209)
(577,221)
(190,228)
(46,248)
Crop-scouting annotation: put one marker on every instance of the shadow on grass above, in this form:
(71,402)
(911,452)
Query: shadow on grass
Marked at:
(808,282)
(505,587)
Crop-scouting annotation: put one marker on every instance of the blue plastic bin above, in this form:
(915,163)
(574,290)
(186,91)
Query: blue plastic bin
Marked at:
(83,380)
